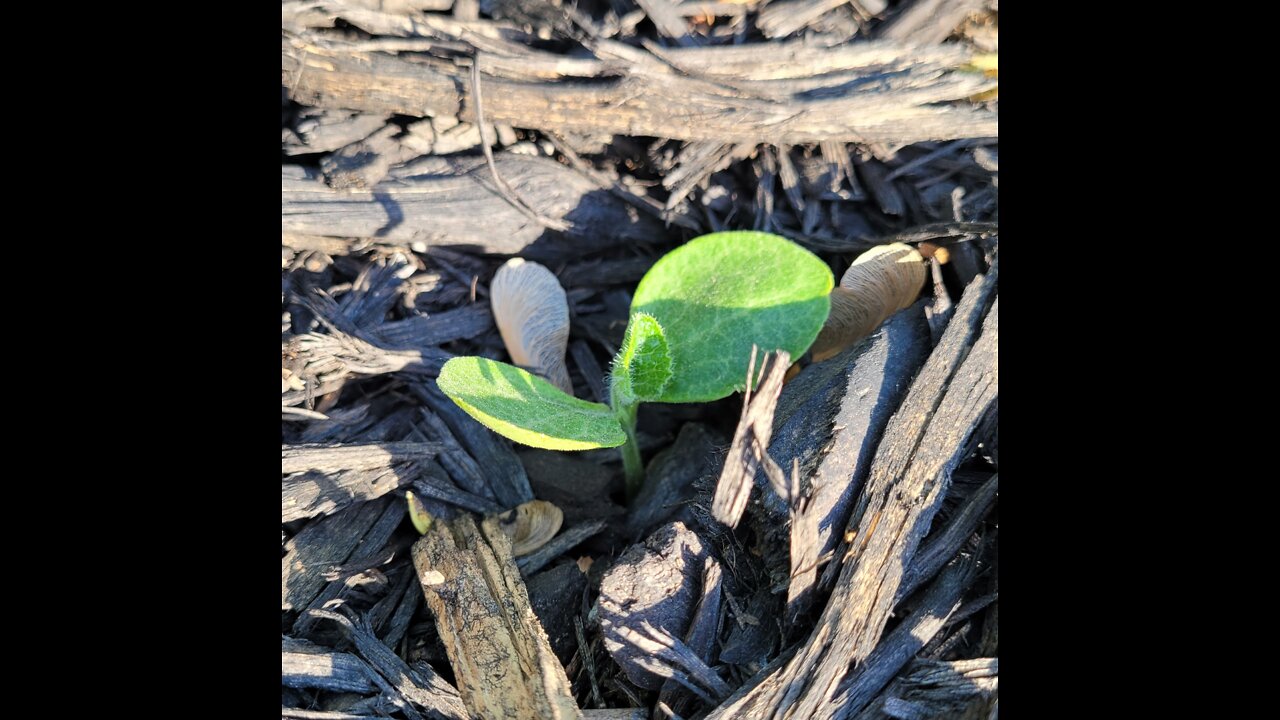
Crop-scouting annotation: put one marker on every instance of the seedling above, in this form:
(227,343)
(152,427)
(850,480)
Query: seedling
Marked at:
(694,318)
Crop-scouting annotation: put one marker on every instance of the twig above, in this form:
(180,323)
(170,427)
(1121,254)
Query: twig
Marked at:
(503,187)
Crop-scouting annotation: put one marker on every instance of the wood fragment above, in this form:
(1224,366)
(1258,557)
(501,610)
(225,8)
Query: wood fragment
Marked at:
(505,475)
(615,714)
(354,456)
(937,688)
(902,102)
(755,429)
(321,545)
(928,21)
(436,199)
(938,606)
(317,130)
(503,663)
(303,665)
(668,20)
(371,550)
(418,685)
(291,713)
(876,374)
(312,493)
(911,470)
(427,331)
(701,637)
(943,546)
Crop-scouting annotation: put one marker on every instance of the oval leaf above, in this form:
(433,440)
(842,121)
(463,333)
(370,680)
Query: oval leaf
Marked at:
(719,294)
(643,366)
(525,408)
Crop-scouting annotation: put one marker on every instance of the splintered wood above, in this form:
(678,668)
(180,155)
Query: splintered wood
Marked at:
(872,92)
(503,663)
(912,469)
(747,453)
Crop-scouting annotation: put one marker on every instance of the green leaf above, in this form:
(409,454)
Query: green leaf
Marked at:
(526,408)
(719,294)
(643,366)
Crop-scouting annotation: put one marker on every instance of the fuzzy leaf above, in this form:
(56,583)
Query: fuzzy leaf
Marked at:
(719,294)
(526,408)
(643,365)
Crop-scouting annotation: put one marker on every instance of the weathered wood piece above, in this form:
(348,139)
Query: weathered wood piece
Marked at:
(304,665)
(924,441)
(321,545)
(654,582)
(425,331)
(877,373)
(329,359)
(371,550)
(403,683)
(504,665)
(943,546)
(354,456)
(874,92)
(701,637)
(667,19)
(320,130)
(780,19)
(323,479)
(897,648)
(928,21)
(556,598)
(937,688)
(312,493)
(755,429)
(615,714)
(437,200)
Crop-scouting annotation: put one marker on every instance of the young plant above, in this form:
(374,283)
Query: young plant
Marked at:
(694,319)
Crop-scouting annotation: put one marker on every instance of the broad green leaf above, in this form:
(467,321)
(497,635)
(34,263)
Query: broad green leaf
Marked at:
(643,365)
(526,408)
(719,294)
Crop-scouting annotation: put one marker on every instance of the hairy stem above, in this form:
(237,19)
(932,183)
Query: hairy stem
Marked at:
(631,463)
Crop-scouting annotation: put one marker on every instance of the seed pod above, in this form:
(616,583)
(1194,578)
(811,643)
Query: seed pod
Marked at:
(532,314)
(531,525)
(882,281)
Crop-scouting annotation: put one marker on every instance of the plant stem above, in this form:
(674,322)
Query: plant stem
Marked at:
(631,462)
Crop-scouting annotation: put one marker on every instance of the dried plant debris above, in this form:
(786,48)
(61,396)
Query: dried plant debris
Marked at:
(434,150)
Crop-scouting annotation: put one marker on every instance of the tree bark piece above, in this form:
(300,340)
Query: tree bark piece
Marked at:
(755,429)
(923,443)
(761,94)
(501,658)
(355,456)
(878,372)
(303,665)
(438,199)
(321,545)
